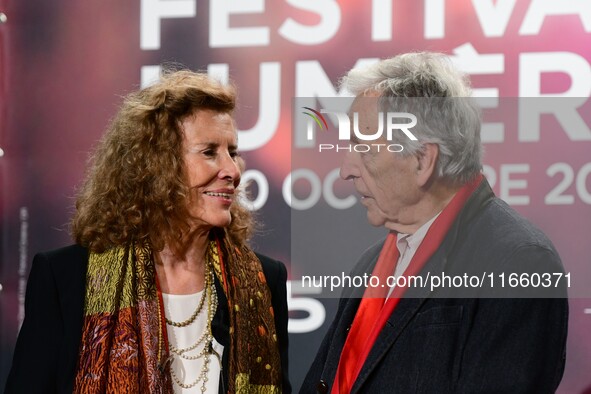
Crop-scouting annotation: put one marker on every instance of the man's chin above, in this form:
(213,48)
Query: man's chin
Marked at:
(374,220)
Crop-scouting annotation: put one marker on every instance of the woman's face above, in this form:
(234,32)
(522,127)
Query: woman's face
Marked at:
(210,154)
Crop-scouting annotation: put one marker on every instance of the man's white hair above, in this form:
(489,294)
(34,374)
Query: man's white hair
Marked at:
(429,86)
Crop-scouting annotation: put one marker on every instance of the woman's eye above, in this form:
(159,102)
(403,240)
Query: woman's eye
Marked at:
(209,152)
(234,154)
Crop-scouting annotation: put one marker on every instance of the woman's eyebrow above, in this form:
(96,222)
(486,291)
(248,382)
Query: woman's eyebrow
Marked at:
(212,145)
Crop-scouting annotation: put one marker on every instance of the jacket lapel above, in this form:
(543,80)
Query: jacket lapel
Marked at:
(402,316)
(347,310)
(339,338)
(70,275)
(395,326)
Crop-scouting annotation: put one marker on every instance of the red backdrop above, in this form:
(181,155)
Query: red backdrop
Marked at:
(65,65)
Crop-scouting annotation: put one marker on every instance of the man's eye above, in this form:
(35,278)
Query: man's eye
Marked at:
(209,152)
(234,154)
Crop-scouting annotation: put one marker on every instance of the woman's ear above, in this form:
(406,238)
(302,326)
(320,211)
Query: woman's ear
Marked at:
(427,162)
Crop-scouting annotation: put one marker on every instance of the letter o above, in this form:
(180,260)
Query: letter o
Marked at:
(376,282)
(315,193)
(357,148)
(331,199)
(263,185)
(398,146)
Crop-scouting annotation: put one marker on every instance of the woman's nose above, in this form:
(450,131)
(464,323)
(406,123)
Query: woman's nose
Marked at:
(230,168)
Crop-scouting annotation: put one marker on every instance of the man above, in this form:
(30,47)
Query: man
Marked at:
(443,218)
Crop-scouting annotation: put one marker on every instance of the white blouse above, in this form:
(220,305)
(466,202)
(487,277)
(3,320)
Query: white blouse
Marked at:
(179,308)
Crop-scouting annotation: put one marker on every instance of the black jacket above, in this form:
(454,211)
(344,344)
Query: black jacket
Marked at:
(47,348)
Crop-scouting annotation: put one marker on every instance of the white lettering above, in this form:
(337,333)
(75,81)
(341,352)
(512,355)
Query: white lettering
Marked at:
(220,72)
(330,20)
(490,175)
(531,68)
(221,35)
(400,126)
(314,309)
(494,17)
(153,11)
(312,83)
(434,19)
(507,184)
(269,109)
(381,20)
(315,192)
(540,9)
(357,132)
(257,177)
(467,59)
(149,75)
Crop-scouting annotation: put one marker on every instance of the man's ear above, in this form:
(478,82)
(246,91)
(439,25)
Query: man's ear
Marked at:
(427,161)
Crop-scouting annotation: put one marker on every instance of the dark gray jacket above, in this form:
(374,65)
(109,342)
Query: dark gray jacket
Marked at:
(472,344)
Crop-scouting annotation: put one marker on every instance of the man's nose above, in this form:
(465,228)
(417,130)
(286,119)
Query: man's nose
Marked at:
(349,169)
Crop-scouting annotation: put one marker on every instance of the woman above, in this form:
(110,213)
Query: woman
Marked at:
(160,294)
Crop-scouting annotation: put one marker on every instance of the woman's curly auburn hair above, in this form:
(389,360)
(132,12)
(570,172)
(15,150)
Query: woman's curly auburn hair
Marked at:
(136,188)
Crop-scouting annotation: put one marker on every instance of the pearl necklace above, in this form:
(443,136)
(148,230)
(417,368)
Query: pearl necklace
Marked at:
(207,336)
(209,294)
(191,318)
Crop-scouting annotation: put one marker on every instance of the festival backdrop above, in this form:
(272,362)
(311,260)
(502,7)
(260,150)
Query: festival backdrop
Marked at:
(64,67)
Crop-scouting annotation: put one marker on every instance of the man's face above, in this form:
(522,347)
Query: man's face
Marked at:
(386,181)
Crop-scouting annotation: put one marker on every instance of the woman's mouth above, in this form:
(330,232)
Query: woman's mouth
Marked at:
(227,196)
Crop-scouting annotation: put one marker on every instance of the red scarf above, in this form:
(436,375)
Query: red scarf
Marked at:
(373,312)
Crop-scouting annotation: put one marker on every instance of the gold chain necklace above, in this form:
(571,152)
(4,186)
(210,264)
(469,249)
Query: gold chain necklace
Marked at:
(206,337)
(192,318)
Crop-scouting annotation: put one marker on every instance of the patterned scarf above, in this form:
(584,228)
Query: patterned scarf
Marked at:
(124,346)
